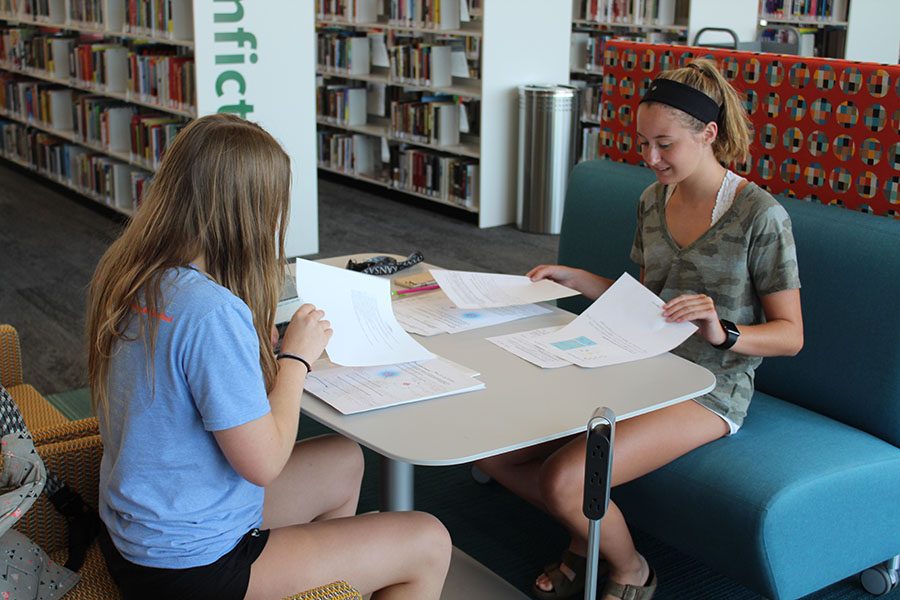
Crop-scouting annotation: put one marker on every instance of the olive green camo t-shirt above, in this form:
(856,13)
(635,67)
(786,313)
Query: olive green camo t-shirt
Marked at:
(748,253)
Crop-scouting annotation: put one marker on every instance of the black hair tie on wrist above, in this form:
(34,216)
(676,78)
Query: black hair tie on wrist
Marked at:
(305,362)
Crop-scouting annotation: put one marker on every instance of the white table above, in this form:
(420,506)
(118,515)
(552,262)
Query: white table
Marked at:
(521,405)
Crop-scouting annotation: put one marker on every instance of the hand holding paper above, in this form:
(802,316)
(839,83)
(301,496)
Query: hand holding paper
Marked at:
(489,290)
(624,324)
(359,309)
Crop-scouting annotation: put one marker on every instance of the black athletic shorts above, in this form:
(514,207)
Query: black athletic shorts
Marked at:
(225,579)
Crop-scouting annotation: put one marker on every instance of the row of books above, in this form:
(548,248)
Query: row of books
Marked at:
(36,9)
(451,179)
(355,53)
(590,143)
(827,10)
(153,73)
(447,178)
(591,95)
(343,51)
(351,153)
(354,11)
(353,104)
(159,18)
(342,104)
(110,124)
(433,120)
(101,177)
(423,64)
(425,14)
(648,12)
(156,18)
(87,11)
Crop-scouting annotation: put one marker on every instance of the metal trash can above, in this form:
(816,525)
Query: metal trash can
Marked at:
(548,137)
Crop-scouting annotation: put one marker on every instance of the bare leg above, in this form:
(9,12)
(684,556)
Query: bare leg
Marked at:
(315,540)
(643,444)
(519,470)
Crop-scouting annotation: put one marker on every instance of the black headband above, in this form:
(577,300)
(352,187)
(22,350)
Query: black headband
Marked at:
(683,97)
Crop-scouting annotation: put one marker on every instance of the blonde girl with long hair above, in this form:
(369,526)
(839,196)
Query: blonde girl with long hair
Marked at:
(204,492)
(720,252)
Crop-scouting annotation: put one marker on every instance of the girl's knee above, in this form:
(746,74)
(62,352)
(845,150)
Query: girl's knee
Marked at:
(433,536)
(350,455)
(561,483)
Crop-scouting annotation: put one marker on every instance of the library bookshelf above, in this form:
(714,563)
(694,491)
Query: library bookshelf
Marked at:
(426,104)
(595,22)
(849,29)
(92,92)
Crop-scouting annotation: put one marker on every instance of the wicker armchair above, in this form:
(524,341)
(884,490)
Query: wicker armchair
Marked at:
(73,451)
(37,412)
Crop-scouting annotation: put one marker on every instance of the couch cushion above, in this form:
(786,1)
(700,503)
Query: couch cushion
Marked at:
(849,368)
(793,502)
(599,220)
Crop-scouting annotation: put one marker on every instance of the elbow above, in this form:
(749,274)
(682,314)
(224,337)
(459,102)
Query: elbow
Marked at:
(796,346)
(262,473)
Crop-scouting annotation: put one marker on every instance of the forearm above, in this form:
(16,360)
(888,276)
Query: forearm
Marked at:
(779,337)
(284,400)
(591,285)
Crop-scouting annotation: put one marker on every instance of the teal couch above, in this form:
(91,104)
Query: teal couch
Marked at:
(808,491)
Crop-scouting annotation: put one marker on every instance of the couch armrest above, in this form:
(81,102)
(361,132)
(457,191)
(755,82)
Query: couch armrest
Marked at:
(10,357)
(63,432)
(77,463)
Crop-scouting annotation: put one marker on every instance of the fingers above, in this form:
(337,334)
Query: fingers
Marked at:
(552,272)
(538,272)
(690,307)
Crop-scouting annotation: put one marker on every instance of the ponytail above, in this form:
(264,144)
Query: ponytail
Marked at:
(733,141)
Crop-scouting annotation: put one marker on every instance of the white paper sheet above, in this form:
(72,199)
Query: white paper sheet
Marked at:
(431,313)
(359,308)
(624,324)
(352,390)
(490,290)
(523,345)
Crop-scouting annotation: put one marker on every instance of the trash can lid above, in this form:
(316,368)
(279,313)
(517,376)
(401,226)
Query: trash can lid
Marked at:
(548,90)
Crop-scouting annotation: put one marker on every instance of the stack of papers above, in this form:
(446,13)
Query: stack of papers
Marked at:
(372,362)
(432,313)
(624,324)
(352,390)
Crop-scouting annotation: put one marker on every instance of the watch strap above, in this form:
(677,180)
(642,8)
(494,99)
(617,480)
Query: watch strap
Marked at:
(732,333)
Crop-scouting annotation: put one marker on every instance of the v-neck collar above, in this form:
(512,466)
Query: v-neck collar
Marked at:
(661,203)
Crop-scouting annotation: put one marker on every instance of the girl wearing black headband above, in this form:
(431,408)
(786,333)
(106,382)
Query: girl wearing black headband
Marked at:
(719,251)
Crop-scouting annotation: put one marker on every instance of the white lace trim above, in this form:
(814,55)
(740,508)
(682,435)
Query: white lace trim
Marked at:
(725,197)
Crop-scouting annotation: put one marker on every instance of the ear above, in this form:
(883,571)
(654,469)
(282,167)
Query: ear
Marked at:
(710,132)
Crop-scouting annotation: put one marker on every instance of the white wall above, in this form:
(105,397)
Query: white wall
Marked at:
(873,34)
(266,73)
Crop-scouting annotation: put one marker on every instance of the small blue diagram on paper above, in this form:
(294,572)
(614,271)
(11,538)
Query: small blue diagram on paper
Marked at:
(579,342)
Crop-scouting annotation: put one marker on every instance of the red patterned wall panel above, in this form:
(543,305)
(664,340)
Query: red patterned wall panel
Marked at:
(827,130)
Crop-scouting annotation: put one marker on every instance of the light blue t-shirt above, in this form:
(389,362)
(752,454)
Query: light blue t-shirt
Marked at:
(168,495)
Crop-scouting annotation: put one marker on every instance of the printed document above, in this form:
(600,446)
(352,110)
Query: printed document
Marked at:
(359,309)
(624,324)
(489,290)
(523,345)
(356,389)
(431,313)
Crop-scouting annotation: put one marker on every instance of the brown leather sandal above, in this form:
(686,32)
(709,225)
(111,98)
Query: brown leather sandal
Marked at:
(563,587)
(631,592)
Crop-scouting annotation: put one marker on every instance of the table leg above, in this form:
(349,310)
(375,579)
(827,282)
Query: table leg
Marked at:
(396,485)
